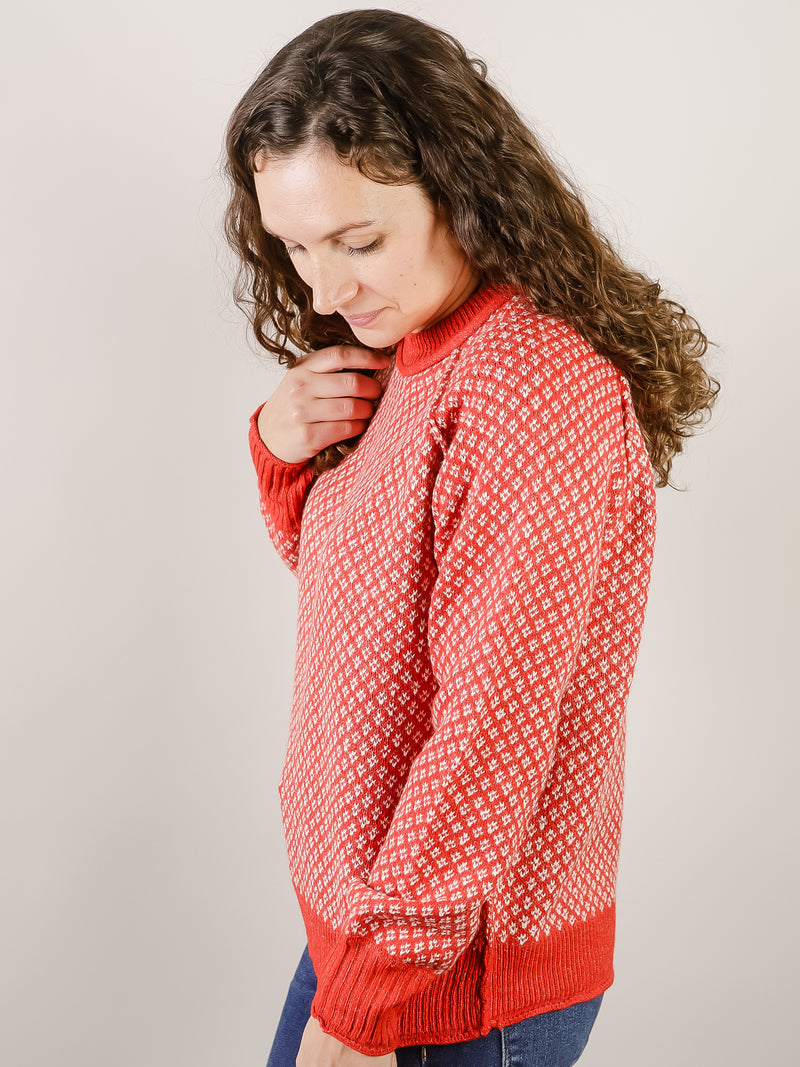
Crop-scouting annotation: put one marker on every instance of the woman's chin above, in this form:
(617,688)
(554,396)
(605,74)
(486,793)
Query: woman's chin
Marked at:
(376,337)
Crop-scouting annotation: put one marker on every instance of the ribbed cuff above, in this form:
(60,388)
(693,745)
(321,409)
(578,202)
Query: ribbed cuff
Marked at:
(367,1024)
(278,480)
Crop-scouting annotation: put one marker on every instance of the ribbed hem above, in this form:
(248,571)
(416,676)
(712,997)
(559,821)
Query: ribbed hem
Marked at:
(418,351)
(375,1004)
(276,477)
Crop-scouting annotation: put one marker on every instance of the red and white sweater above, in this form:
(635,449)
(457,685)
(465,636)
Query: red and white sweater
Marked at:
(472,586)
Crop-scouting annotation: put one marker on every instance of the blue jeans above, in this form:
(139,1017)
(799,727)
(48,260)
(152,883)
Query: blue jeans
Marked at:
(554,1039)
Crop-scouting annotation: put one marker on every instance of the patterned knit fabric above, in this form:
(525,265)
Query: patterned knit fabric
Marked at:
(472,586)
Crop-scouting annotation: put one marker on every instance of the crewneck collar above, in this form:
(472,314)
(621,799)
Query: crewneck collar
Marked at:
(418,351)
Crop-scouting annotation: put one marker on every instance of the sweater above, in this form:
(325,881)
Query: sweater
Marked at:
(472,587)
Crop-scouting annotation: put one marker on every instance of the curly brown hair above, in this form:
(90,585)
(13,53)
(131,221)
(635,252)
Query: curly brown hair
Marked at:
(404,102)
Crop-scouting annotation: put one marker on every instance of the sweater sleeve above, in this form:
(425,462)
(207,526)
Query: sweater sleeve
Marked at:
(283,488)
(519,504)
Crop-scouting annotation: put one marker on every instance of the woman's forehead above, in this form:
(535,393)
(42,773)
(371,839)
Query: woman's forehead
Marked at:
(312,186)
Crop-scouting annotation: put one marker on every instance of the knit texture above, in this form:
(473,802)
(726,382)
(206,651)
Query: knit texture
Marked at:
(472,586)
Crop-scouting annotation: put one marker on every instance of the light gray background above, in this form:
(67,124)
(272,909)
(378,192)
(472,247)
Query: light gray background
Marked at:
(147,916)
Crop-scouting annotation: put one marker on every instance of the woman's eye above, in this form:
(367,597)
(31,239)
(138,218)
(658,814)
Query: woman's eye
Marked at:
(364,250)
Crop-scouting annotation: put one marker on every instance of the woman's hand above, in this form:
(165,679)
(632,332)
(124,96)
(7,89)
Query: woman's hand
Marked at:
(315,406)
(318,1049)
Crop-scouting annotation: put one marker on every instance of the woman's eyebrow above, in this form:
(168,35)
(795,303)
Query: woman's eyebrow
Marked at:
(334,233)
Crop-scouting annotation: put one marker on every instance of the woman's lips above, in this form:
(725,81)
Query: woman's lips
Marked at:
(361,320)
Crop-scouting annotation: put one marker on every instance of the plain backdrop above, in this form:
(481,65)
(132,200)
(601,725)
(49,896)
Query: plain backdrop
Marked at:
(148,626)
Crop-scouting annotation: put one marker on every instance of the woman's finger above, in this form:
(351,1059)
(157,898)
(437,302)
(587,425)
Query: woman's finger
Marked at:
(343,357)
(335,409)
(345,383)
(318,435)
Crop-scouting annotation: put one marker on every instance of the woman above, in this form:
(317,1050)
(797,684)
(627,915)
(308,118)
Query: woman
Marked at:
(459,465)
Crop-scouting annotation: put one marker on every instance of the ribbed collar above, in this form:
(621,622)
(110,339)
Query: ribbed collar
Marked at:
(418,351)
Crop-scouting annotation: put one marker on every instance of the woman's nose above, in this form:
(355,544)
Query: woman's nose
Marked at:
(333,286)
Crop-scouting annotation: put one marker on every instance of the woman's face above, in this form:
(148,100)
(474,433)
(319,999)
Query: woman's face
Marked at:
(378,255)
